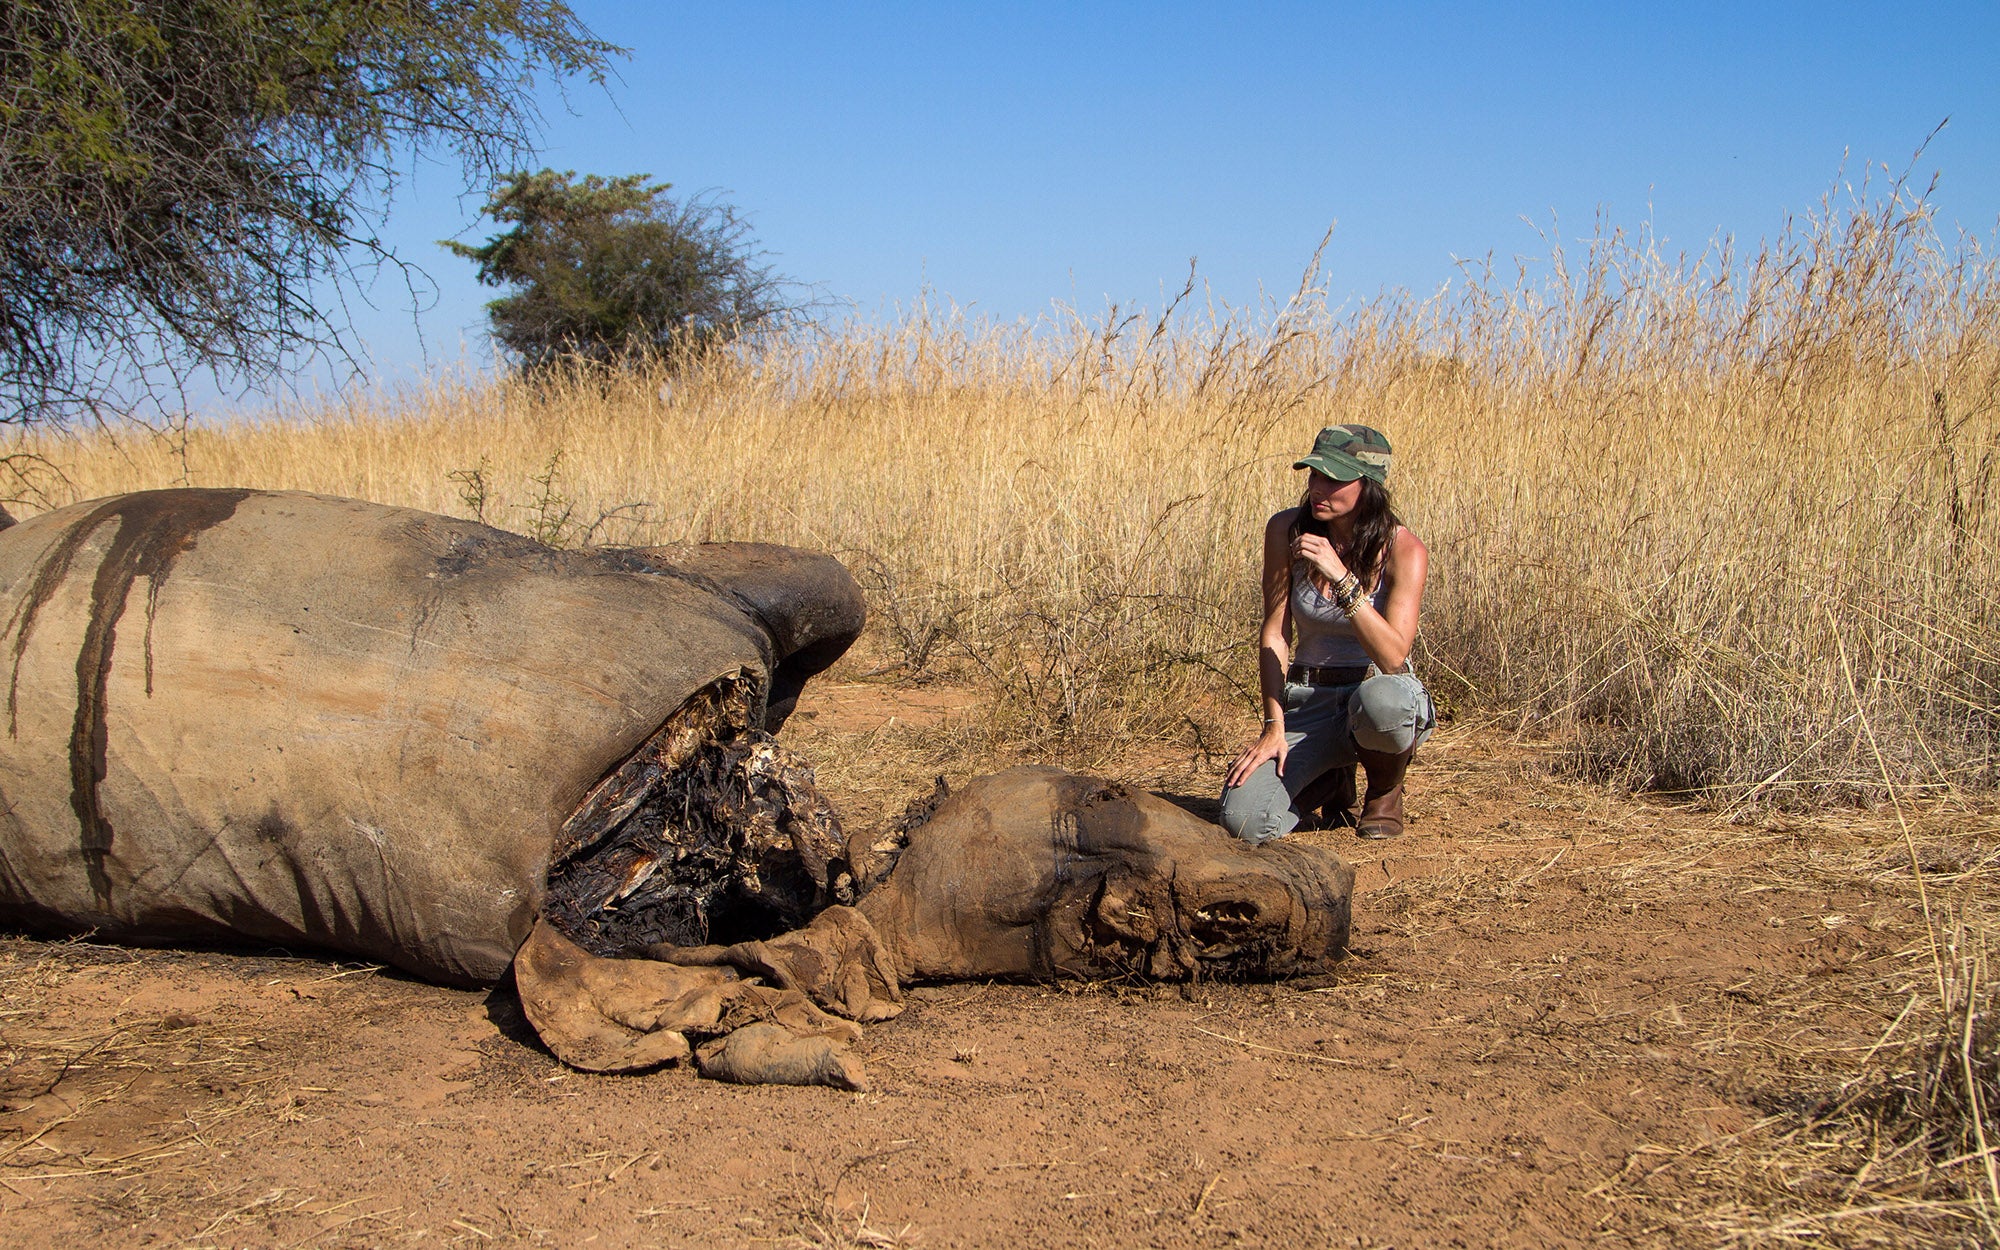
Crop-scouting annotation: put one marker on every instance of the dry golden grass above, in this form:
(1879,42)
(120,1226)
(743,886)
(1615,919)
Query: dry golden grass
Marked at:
(1721,526)
(1709,519)
(1712,521)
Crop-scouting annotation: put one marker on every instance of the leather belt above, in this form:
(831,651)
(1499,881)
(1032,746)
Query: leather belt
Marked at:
(1314,675)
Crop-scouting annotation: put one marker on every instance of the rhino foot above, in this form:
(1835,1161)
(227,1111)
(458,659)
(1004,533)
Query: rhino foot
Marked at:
(769,1054)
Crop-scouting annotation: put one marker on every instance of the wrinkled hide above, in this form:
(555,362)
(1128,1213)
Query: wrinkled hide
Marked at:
(622,1015)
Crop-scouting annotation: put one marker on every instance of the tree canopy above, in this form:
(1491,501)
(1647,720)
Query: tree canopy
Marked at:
(185,184)
(606,270)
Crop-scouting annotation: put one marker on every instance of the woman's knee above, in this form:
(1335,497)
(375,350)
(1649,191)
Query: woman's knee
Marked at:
(1390,713)
(1255,814)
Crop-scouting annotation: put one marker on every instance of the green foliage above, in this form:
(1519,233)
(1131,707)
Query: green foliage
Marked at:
(184,183)
(608,269)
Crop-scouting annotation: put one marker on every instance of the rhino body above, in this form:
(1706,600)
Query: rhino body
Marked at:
(305,720)
(287,718)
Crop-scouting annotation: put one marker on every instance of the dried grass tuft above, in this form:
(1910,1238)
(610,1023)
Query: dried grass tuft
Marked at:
(831,1229)
(1879,1085)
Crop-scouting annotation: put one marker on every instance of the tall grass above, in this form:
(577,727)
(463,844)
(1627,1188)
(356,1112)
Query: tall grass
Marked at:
(1672,500)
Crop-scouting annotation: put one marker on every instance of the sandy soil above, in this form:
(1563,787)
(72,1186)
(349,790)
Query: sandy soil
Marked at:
(1554,996)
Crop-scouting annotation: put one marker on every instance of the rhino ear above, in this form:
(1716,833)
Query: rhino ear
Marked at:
(806,601)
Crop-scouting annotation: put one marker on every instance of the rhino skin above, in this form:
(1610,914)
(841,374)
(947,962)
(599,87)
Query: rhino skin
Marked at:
(317,721)
(294,719)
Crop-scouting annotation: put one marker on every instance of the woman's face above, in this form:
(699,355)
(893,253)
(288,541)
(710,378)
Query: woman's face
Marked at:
(1331,500)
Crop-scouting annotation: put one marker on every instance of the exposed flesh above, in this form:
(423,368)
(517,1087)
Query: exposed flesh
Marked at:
(710,833)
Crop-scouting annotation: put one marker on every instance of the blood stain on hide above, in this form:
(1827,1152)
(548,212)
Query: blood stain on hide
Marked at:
(154,529)
(466,550)
(273,827)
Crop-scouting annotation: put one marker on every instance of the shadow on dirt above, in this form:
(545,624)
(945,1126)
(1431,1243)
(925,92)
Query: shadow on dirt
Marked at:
(503,1009)
(1206,806)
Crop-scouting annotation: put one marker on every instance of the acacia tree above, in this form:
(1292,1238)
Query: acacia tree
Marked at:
(607,270)
(196,184)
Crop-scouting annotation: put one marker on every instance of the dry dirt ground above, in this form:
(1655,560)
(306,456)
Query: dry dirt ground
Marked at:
(1568,1018)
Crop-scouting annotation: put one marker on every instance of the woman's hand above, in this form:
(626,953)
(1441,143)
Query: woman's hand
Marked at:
(1270,745)
(1315,550)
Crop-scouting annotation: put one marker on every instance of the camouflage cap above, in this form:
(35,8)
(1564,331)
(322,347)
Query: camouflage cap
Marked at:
(1347,452)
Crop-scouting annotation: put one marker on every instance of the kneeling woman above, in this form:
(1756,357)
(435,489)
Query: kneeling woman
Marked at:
(1344,575)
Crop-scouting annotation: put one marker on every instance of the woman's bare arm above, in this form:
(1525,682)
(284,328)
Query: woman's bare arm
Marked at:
(1388,635)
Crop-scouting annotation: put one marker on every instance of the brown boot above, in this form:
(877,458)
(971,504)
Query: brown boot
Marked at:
(1382,807)
(1328,802)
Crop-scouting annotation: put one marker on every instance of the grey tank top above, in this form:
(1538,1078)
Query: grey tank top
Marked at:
(1325,635)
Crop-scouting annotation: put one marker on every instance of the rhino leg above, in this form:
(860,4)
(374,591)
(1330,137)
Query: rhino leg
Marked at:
(628,1015)
(838,961)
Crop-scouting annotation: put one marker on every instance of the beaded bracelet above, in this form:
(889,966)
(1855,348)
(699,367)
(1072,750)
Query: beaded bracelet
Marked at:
(1347,593)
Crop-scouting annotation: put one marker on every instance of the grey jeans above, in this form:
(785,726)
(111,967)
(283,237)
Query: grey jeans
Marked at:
(1390,713)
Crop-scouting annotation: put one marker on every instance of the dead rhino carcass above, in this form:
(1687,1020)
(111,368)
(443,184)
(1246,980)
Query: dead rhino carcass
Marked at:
(256,715)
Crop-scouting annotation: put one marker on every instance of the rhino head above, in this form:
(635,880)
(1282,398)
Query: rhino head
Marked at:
(1035,872)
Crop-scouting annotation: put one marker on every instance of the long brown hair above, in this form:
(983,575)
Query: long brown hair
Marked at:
(1375,523)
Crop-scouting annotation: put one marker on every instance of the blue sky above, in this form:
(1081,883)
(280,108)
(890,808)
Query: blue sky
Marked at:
(1008,157)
